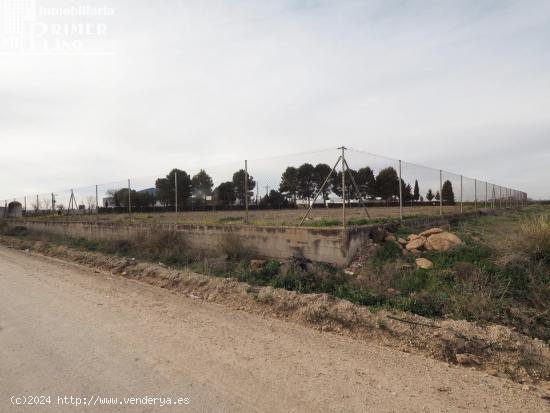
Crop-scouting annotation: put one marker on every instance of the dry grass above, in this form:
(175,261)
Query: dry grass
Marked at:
(534,236)
(283,217)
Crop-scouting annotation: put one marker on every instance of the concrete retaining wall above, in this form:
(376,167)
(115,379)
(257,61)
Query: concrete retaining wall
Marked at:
(331,245)
(323,244)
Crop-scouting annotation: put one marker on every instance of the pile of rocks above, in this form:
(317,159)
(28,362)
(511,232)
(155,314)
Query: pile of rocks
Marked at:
(434,239)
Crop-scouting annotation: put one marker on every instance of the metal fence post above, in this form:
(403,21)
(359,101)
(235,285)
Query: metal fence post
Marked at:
(486,195)
(461,197)
(246,188)
(400,194)
(176,193)
(53,204)
(440,192)
(500,197)
(343,187)
(475,194)
(96,201)
(129,198)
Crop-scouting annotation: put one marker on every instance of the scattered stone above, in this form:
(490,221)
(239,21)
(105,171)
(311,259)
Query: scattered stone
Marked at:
(467,359)
(257,265)
(413,237)
(431,231)
(390,237)
(443,241)
(416,252)
(424,263)
(348,272)
(402,241)
(415,243)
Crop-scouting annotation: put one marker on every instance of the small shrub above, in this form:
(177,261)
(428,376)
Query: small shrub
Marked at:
(271,268)
(424,303)
(389,251)
(382,325)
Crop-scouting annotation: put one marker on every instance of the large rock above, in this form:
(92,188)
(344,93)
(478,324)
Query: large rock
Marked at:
(415,243)
(431,231)
(412,237)
(442,241)
(424,263)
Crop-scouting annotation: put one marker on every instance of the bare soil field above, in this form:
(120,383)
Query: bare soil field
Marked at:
(66,329)
(282,217)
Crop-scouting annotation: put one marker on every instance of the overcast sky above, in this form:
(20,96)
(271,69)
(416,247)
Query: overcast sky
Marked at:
(459,85)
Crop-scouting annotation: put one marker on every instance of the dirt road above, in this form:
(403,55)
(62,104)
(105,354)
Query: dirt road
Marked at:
(68,331)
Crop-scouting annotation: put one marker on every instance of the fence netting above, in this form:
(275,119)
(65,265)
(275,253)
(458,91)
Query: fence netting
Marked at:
(320,188)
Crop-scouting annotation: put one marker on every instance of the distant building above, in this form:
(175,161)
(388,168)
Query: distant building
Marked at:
(109,202)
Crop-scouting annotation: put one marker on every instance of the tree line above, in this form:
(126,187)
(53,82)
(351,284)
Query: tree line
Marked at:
(296,183)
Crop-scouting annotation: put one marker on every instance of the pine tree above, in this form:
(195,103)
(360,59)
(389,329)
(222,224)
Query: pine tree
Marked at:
(430,195)
(447,193)
(416,194)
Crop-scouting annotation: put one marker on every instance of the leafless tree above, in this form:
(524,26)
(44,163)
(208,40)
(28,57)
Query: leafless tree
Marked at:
(90,202)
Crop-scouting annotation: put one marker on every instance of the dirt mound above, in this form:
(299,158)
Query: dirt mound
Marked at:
(497,349)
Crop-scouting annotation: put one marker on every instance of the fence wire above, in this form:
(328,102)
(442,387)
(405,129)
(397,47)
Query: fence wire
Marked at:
(275,191)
